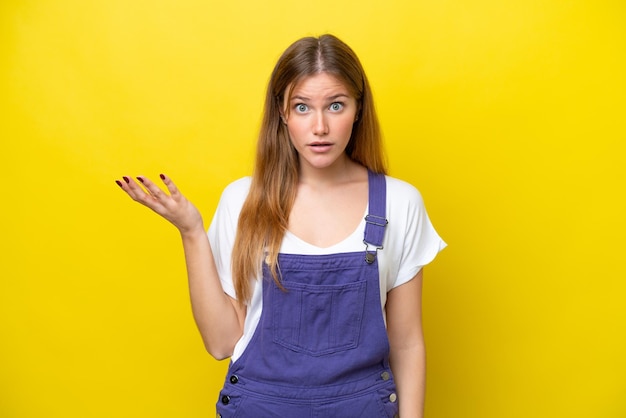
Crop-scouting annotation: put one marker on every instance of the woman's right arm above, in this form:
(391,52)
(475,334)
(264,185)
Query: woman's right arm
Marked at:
(218,316)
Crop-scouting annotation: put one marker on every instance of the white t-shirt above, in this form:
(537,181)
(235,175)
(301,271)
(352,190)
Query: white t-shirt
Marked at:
(410,243)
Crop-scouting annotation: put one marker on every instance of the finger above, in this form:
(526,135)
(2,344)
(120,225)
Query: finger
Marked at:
(171,187)
(136,192)
(129,186)
(154,191)
(134,189)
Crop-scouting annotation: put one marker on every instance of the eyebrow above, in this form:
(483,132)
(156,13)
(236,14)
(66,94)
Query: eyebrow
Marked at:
(330,99)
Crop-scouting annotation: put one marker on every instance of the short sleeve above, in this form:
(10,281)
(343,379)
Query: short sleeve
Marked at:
(412,238)
(223,229)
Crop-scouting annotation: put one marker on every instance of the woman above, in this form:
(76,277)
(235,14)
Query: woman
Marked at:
(318,306)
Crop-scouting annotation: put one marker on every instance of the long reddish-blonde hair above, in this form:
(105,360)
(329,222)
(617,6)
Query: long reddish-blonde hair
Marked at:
(265,213)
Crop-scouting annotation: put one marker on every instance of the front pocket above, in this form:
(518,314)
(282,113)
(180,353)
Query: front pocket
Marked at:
(318,319)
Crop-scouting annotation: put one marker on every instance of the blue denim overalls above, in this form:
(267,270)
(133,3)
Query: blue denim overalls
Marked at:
(320,348)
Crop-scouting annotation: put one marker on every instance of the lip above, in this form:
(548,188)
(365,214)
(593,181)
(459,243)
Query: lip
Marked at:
(320,147)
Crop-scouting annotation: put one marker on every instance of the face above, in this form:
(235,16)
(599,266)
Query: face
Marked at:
(319,118)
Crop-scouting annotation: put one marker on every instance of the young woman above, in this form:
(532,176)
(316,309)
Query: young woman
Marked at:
(310,275)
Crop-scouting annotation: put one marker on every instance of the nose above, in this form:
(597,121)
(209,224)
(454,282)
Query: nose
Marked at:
(320,124)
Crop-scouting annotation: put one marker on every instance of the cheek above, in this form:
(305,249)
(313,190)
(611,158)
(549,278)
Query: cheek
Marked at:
(346,128)
(297,130)
(294,135)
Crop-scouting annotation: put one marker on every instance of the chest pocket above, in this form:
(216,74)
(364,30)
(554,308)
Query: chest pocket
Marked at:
(318,319)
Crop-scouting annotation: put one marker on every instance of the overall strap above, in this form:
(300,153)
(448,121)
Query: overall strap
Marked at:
(375,220)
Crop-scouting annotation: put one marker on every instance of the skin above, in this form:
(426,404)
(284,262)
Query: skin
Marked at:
(407,355)
(333,190)
(320,117)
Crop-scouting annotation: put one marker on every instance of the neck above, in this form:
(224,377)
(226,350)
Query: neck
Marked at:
(343,171)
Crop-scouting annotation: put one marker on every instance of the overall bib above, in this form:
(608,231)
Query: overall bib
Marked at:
(320,348)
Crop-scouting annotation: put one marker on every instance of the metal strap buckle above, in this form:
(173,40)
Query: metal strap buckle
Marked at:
(369,256)
(378,220)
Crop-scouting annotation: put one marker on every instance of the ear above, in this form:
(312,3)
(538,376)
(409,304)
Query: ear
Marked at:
(282,117)
(358,111)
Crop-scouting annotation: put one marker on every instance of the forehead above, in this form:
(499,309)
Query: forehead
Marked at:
(319,85)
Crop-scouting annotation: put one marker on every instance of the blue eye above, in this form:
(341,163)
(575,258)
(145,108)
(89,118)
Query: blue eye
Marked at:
(301,108)
(337,106)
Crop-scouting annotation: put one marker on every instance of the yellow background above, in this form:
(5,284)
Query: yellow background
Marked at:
(507,115)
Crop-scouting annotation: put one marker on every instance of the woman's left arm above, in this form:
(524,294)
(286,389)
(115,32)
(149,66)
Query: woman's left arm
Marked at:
(407,350)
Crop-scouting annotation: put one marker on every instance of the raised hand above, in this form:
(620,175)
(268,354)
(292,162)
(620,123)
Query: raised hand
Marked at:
(173,206)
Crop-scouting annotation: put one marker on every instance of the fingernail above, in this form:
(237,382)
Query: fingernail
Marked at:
(119,183)
(126,179)
(162,176)
(140,179)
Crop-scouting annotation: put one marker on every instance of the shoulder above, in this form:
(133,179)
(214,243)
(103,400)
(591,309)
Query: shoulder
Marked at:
(232,200)
(224,223)
(236,192)
(399,192)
